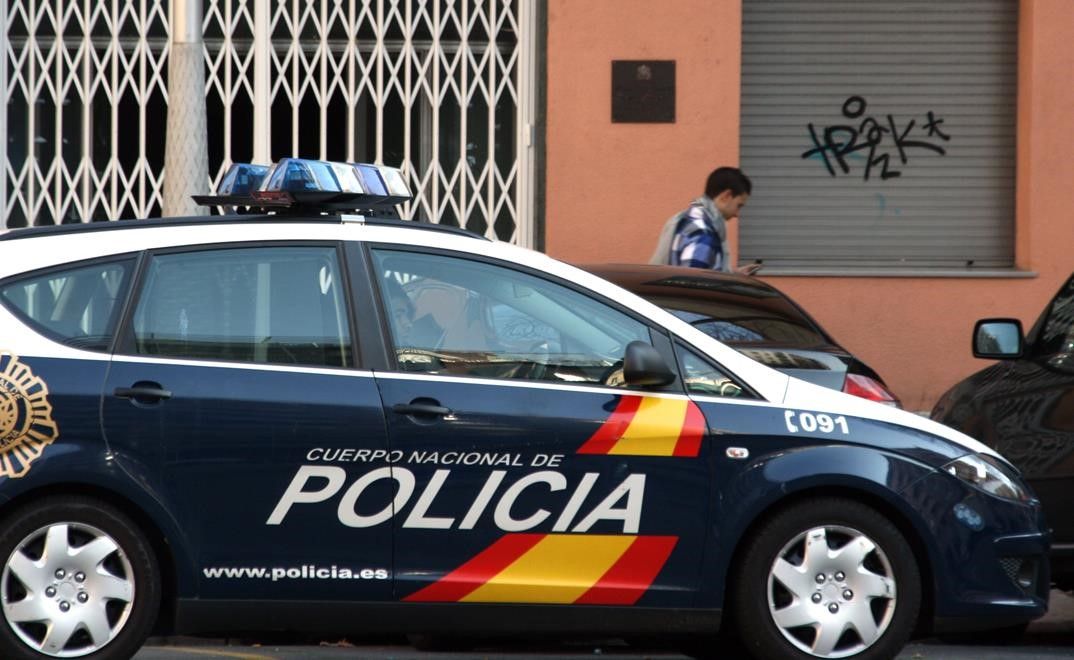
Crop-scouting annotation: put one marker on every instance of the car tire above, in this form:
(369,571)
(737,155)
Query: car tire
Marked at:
(78,580)
(827,577)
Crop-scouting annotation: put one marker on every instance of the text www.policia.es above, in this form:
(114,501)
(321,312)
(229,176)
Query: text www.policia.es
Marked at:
(304,572)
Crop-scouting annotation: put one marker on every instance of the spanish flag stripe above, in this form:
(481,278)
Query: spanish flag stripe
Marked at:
(559,569)
(655,428)
(610,431)
(457,584)
(693,429)
(631,576)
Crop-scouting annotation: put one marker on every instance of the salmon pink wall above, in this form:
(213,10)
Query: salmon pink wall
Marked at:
(601,204)
(608,185)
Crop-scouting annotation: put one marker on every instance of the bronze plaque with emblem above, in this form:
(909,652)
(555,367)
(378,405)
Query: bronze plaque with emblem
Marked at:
(643,91)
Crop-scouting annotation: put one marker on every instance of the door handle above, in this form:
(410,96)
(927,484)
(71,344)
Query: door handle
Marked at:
(143,392)
(421,409)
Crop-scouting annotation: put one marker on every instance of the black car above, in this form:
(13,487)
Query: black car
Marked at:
(1023,406)
(756,319)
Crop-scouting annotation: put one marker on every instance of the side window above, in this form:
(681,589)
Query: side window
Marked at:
(279,305)
(702,377)
(464,318)
(78,306)
(1057,332)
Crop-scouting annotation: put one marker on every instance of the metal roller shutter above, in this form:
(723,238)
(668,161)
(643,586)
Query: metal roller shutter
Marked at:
(912,105)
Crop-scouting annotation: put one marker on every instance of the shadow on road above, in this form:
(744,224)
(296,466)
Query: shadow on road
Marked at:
(1050,637)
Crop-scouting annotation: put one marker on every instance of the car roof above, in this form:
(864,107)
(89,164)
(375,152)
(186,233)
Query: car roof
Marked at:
(705,287)
(685,278)
(62,246)
(120,225)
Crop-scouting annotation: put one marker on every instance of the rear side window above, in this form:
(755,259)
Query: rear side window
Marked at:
(274,305)
(77,306)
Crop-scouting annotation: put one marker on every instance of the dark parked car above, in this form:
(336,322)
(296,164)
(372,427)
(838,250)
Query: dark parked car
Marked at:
(756,319)
(1024,407)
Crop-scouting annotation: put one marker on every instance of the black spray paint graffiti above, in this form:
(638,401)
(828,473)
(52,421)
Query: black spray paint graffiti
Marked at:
(840,142)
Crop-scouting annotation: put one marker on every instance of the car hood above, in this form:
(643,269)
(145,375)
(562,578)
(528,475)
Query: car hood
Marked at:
(807,396)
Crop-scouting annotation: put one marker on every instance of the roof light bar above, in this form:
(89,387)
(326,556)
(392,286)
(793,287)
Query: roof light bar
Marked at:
(311,186)
(242,179)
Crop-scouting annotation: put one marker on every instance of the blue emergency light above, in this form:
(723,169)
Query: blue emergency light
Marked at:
(242,179)
(297,185)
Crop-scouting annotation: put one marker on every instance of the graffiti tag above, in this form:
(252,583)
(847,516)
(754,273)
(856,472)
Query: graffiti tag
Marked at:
(838,143)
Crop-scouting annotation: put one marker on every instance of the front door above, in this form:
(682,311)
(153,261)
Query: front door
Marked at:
(235,397)
(1032,412)
(526,471)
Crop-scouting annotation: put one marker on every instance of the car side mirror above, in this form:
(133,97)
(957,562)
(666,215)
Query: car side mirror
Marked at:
(998,339)
(643,365)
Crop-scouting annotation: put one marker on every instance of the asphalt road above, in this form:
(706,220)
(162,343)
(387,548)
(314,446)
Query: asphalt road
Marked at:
(1050,637)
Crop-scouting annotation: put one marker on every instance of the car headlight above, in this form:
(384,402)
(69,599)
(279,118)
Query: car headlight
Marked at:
(990,475)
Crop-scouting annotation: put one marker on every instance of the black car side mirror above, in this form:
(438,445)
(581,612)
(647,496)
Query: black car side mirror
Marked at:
(643,365)
(998,339)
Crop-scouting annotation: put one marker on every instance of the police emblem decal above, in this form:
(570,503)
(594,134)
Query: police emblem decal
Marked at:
(26,425)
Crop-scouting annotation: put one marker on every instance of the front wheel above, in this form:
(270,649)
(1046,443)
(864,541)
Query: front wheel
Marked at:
(79,580)
(826,578)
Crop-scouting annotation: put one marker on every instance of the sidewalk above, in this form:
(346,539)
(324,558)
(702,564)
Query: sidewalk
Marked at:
(1060,617)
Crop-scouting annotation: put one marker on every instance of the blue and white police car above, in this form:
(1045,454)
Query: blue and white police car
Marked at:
(310,416)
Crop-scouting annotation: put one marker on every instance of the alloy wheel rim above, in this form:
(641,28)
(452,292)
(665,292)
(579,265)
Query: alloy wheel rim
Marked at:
(831,591)
(67,590)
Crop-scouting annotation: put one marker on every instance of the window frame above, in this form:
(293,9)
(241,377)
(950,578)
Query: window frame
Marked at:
(125,344)
(657,333)
(117,315)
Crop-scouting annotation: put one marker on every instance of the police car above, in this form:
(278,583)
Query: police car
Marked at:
(311,416)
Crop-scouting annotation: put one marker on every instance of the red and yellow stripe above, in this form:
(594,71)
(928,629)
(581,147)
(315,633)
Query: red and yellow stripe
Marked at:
(584,569)
(649,426)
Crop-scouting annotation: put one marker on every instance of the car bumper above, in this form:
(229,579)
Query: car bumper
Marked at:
(989,556)
(1024,562)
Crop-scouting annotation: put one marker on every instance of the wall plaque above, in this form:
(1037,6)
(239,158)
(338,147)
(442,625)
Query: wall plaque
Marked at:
(643,91)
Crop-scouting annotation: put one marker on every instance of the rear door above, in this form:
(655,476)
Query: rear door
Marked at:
(525,470)
(50,390)
(236,398)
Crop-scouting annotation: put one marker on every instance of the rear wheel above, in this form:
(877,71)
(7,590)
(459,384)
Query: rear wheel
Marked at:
(826,578)
(79,580)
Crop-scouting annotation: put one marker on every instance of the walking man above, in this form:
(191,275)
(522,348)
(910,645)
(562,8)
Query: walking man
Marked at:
(697,237)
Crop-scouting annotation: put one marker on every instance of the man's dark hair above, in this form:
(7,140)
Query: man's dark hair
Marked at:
(727,178)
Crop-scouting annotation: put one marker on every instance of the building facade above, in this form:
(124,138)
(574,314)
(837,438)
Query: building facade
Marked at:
(908,156)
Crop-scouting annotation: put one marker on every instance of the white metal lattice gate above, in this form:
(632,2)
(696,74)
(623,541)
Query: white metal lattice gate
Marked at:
(443,89)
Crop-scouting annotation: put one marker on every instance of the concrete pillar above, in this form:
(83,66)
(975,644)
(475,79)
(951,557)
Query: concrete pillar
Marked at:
(186,152)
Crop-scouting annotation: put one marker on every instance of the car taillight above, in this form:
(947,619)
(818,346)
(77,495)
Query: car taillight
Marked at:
(868,388)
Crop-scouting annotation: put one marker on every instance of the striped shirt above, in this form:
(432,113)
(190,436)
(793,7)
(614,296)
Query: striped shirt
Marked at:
(697,242)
